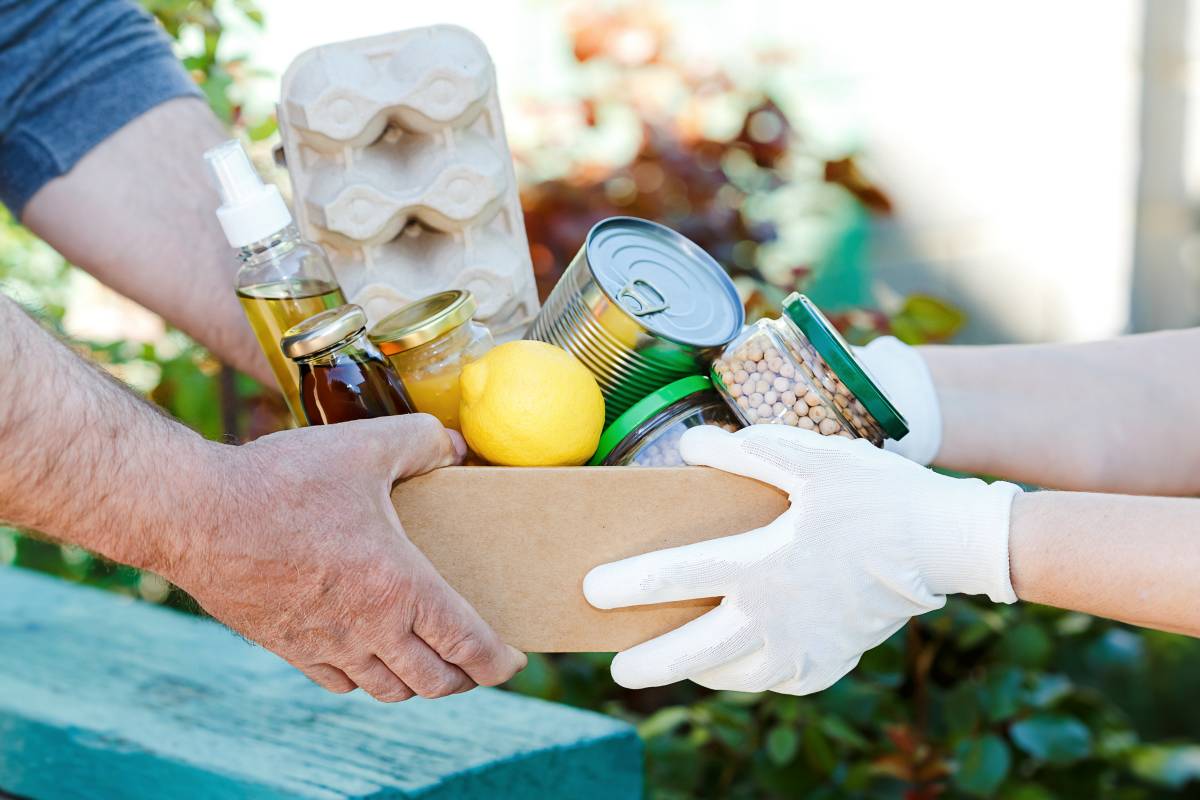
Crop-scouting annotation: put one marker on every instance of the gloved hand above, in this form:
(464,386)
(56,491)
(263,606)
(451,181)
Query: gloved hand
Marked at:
(869,541)
(904,376)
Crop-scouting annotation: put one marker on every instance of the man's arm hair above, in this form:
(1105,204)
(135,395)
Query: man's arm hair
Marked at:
(262,535)
(85,461)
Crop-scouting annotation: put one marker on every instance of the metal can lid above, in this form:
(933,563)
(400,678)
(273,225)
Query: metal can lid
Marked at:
(644,409)
(830,345)
(323,331)
(422,321)
(664,281)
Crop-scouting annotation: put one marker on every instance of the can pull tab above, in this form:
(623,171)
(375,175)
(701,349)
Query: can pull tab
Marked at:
(644,298)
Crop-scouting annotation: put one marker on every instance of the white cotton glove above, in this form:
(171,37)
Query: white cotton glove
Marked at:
(904,377)
(869,541)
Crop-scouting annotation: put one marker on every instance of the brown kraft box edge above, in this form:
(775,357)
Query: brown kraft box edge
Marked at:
(516,542)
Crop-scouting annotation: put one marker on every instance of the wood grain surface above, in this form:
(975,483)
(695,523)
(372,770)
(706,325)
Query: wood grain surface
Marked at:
(105,697)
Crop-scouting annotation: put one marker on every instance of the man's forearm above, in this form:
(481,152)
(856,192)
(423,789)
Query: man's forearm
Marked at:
(138,213)
(82,459)
(1107,416)
(1133,559)
(263,535)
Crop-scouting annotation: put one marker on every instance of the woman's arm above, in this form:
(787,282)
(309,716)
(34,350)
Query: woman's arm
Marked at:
(872,539)
(1133,559)
(1111,416)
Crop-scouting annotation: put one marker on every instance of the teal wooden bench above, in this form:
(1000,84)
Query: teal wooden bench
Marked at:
(102,696)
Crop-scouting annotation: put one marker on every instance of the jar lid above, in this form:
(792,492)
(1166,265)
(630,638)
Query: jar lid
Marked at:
(644,409)
(422,321)
(323,331)
(830,345)
(664,281)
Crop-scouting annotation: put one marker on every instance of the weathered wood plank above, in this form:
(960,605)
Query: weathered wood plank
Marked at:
(102,696)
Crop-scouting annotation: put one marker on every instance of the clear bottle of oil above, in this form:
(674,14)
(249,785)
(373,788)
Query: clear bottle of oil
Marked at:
(284,279)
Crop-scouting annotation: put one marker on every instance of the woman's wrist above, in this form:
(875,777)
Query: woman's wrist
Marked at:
(961,543)
(902,373)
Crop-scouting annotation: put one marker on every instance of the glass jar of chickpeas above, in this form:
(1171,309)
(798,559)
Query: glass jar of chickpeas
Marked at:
(798,370)
(648,433)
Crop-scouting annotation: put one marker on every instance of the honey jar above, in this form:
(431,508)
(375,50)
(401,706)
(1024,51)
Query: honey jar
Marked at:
(428,342)
(342,376)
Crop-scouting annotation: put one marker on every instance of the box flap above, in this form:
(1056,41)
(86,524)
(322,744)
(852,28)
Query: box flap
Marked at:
(516,542)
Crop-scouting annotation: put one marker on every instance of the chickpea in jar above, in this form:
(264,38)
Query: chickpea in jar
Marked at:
(774,373)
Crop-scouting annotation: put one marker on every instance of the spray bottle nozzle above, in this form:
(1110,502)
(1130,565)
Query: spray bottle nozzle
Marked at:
(236,177)
(250,209)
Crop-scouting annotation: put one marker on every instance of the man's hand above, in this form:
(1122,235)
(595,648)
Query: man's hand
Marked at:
(291,540)
(308,558)
(870,540)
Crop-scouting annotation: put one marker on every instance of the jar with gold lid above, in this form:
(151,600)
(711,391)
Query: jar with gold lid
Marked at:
(428,342)
(343,377)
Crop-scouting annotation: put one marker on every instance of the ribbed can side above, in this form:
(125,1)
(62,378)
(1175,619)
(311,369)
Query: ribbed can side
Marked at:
(572,319)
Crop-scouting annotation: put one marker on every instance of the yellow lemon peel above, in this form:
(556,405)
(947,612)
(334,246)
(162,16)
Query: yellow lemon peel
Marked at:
(531,404)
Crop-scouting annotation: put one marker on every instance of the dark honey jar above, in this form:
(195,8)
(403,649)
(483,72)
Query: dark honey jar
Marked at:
(343,376)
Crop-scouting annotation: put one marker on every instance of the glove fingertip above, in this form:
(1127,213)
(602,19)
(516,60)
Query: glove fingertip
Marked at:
(601,587)
(883,344)
(593,587)
(699,443)
(629,673)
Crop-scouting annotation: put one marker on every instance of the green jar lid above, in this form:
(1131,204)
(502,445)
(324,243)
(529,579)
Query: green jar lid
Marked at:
(643,410)
(841,359)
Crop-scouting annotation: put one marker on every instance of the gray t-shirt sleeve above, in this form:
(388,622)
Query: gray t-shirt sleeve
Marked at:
(73,72)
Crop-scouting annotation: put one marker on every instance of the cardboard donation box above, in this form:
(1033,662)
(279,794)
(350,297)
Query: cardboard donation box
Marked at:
(517,542)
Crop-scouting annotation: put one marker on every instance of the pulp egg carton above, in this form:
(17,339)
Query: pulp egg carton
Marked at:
(400,169)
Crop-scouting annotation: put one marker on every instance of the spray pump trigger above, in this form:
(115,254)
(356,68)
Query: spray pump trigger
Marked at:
(250,210)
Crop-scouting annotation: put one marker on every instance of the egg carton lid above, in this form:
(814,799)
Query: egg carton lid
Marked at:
(352,117)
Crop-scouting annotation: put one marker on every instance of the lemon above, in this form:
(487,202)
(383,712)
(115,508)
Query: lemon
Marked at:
(531,404)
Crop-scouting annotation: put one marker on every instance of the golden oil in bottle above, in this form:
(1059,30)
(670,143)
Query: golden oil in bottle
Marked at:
(283,279)
(274,307)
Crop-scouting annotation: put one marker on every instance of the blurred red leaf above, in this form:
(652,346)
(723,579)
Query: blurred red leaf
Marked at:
(846,173)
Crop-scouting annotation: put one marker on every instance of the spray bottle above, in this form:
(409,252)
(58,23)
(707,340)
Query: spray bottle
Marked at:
(284,279)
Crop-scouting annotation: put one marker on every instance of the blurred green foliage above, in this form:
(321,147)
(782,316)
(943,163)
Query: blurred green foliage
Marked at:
(974,700)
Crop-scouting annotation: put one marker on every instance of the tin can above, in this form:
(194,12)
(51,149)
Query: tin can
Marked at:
(641,306)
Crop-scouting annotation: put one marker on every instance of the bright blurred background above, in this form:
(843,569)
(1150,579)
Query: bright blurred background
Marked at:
(935,169)
(1009,136)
